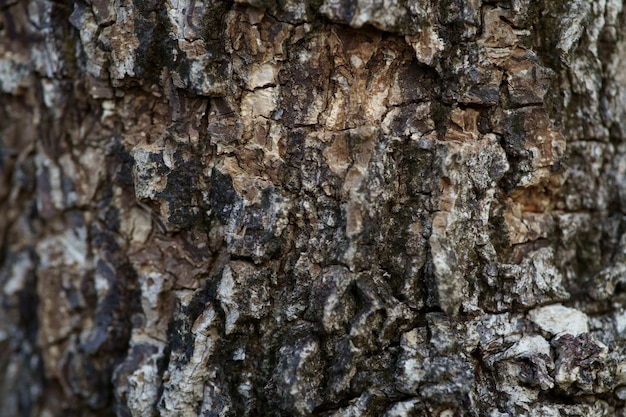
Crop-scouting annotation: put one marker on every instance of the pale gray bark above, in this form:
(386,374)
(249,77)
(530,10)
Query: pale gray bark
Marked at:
(328,208)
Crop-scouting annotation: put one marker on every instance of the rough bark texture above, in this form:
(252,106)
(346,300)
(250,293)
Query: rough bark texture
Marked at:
(328,208)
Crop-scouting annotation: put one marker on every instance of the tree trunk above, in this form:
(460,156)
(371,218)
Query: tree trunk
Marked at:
(325,208)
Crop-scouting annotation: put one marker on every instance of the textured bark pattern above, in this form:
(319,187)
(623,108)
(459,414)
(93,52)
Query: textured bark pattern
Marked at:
(328,208)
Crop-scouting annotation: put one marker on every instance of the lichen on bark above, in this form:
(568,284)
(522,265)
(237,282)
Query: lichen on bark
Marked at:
(326,208)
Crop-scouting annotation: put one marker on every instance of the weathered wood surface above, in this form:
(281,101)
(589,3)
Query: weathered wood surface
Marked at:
(328,208)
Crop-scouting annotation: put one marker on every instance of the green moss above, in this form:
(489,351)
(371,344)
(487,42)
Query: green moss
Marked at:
(440,114)
(213,23)
(69,52)
(545,25)
(156,49)
(543,20)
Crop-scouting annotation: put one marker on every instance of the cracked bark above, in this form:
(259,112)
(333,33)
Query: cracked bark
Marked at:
(327,208)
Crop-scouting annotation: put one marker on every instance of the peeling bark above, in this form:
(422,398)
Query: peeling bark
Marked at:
(327,208)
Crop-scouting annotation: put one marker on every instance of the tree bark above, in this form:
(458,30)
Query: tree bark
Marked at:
(322,208)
